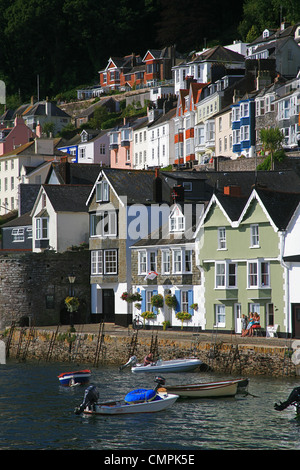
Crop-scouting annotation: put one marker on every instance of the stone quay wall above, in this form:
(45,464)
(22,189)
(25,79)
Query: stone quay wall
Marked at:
(33,287)
(115,350)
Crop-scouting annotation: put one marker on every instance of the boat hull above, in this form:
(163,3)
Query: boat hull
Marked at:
(119,408)
(206,390)
(177,365)
(68,379)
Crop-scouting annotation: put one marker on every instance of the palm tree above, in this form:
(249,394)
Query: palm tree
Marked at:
(271,139)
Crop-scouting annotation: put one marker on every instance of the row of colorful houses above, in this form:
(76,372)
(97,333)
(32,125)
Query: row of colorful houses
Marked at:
(219,244)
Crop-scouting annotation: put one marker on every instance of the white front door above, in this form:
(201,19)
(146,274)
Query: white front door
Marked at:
(238,318)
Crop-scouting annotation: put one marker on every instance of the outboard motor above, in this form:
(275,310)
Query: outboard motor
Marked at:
(160,382)
(131,361)
(293,399)
(91,396)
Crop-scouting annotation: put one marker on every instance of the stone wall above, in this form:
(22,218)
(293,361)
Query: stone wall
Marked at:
(81,348)
(33,286)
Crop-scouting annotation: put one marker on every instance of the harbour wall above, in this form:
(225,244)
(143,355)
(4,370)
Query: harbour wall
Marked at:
(93,349)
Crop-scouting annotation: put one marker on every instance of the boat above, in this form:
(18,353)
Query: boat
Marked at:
(226,388)
(292,400)
(78,377)
(136,401)
(174,365)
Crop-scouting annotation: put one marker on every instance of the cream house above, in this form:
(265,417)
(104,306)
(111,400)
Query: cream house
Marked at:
(14,167)
(60,217)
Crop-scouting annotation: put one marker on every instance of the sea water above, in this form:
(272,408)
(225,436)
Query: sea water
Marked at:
(37,413)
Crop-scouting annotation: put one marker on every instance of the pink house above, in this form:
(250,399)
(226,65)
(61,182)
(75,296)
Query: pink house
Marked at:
(121,144)
(12,137)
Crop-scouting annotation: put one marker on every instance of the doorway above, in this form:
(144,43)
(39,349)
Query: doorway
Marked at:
(238,318)
(296,320)
(108,305)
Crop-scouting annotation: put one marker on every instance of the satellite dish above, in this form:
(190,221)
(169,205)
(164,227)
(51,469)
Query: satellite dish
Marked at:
(296,357)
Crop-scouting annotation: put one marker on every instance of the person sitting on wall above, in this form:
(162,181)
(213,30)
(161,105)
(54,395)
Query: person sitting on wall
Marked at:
(148,359)
(256,324)
(250,323)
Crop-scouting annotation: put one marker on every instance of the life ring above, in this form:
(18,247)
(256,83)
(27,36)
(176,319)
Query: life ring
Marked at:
(141,394)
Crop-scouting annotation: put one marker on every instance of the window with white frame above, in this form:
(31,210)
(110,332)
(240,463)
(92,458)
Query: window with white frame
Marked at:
(18,235)
(110,262)
(244,110)
(176,221)
(221,238)
(184,301)
(258,274)
(188,261)
(149,294)
(103,224)
(254,236)
(236,136)
(245,133)
(220,315)
(152,261)
(177,261)
(225,275)
(102,191)
(142,262)
(165,261)
(41,228)
(96,262)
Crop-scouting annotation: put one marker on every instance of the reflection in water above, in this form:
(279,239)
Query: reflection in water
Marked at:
(37,413)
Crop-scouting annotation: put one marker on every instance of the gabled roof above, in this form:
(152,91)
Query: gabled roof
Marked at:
(67,198)
(219,54)
(280,206)
(39,109)
(74,173)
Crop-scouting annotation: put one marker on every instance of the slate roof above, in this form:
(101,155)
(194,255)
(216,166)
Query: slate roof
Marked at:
(137,185)
(23,220)
(68,198)
(75,173)
(280,206)
(39,109)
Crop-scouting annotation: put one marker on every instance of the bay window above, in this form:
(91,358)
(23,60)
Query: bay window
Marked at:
(41,231)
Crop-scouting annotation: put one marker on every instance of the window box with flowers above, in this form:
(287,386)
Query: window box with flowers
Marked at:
(147,315)
(183,316)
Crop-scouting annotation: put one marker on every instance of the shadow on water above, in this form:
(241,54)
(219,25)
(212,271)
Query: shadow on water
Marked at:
(37,413)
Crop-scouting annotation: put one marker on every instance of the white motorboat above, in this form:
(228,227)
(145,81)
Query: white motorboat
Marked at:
(224,388)
(174,365)
(136,401)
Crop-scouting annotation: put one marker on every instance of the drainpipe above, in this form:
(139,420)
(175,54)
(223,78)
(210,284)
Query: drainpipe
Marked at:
(287,281)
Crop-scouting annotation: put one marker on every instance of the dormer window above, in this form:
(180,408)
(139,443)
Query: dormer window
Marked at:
(266,33)
(176,221)
(102,191)
(84,137)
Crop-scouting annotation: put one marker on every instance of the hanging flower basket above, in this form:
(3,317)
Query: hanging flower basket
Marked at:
(183,316)
(170,300)
(194,306)
(157,300)
(135,297)
(72,304)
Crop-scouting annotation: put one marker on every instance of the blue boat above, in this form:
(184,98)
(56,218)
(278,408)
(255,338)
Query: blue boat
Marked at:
(79,377)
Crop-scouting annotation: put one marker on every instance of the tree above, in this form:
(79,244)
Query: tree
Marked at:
(272,142)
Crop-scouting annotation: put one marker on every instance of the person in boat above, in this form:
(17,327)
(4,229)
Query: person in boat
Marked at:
(148,359)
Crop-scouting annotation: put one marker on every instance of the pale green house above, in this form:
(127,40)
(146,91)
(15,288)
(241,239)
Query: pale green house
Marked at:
(239,245)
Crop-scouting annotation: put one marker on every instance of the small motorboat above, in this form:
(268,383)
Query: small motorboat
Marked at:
(136,401)
(174,365)
(71,379)
(226,388)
